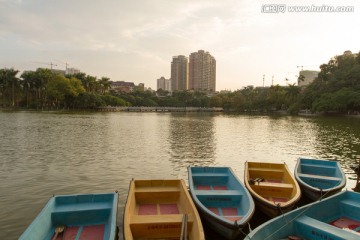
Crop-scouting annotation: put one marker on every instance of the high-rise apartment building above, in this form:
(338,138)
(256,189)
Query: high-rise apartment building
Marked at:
(164,84)
(202,71)
(179,73)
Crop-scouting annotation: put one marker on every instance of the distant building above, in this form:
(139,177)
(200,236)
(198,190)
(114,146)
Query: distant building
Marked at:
(164,84)
(179,73)
(121,86)
(72,71)
(306,77)
(202,71)
(140,87)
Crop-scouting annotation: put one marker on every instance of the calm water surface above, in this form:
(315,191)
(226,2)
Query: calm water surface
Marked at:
(42,154)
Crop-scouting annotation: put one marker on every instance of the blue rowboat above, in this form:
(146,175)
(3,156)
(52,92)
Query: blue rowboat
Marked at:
(221,199)
(75,217)
(319,178)
(334,218)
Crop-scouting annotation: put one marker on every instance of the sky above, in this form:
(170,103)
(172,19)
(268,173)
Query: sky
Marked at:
(135,40)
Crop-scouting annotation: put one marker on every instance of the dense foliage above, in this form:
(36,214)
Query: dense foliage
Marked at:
(337,89)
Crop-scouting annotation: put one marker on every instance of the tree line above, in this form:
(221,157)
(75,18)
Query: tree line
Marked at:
(336,89)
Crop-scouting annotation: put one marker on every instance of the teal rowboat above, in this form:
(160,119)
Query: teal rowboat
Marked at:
(221,199)
(334,218)
(84,216)
(319,178)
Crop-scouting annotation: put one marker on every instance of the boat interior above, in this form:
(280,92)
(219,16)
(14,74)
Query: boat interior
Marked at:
(157,208)
(82,217)
(344,215)
(271,181)
(323,176)
(219,193)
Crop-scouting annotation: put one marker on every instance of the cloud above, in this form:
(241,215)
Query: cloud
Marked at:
(135,40)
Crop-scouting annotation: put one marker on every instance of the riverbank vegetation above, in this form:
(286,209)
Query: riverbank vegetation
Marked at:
(336,89)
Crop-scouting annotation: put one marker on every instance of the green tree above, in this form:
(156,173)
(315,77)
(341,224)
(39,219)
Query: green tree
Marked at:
(276,97)
(104,84)
(335,87)
(9,85)
(61,91)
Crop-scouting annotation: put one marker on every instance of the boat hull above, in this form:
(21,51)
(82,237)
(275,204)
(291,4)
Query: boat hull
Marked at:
(156,209)
(221,199)
(341,214)
(319,178)
(272,186)
(80,215)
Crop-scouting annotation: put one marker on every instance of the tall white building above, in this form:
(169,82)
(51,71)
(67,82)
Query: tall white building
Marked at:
(164,84)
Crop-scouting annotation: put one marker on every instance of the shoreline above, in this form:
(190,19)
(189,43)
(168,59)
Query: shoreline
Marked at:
(178,109)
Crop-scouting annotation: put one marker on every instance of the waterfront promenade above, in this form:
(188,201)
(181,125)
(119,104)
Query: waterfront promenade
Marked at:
(158,109)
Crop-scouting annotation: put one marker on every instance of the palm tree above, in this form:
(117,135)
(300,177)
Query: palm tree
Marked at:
(91,83)
(10,84)
(104,84)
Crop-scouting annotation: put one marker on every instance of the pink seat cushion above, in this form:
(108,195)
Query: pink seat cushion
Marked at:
(229,211)
(169,209)
(344,222)
(94,232)
(202,187)
(215,210)
(220,188)
(147,209)
(70,233)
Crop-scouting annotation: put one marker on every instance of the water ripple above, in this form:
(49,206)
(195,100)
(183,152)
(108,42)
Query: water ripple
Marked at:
(51,153)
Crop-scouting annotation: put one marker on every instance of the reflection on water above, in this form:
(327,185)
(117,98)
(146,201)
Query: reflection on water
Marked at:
(191,140)
(338,138)
(51,153)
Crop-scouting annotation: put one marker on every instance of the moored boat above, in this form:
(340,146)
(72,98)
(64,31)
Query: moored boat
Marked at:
(66,217)
(334,218)
(221,199)
(319,178)
(273,188)
(161,209)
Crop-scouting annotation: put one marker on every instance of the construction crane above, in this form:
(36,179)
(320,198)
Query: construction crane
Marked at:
(65,63)
(51,64)
(302,67)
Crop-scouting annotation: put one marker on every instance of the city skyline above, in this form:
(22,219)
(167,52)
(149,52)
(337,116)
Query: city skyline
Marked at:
(127,41)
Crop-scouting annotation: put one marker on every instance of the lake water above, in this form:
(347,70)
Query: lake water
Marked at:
(48,153)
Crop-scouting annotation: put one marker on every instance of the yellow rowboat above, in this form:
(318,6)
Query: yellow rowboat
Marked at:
(161,209)
(273,188)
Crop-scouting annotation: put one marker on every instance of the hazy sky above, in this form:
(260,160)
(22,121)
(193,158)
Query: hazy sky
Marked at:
(135,40)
